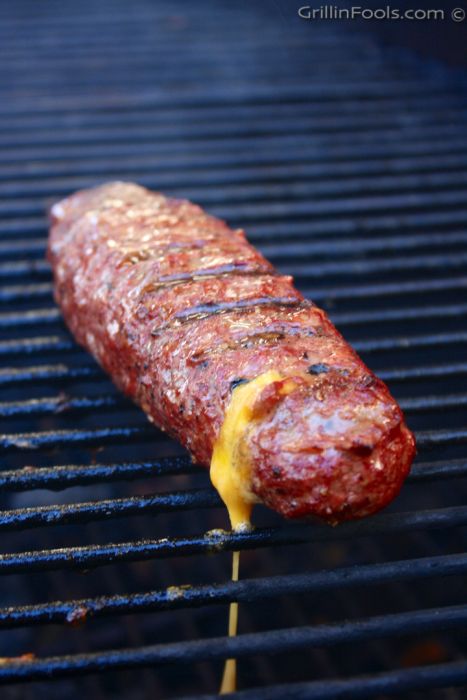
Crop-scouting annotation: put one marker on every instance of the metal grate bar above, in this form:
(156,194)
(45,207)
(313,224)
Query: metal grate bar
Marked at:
(85,80)
(63,438)
(60,477)
(384,315)
(24,267)
(92,556)
(244,591)
(96,146)
(394,244)
(23,227)
(60,404)
(23,246)
(432,438)
(29,346)
(428,471)
(446,122)
(421,404)
(418,108)
(296,148)
(369,291)
(271,94)
(225,170)
(96,41)
(408,342)
(45,178)
(424,221)
(277,641)
(30,318)
(436,124)
(138,70)
(147,108)
(391,683)
(358,267)
(24,518)
(421,373)
(155,114)
(25,292)
(47,372)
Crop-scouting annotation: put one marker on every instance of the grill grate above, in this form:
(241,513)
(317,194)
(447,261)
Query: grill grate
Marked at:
(347,165)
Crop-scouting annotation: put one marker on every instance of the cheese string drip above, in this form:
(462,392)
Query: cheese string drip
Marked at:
(231,476)
(229,677)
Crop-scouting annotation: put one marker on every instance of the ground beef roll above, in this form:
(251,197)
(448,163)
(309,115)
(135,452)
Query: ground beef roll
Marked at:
(183,313)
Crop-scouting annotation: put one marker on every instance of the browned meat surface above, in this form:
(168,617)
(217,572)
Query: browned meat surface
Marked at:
(178,308)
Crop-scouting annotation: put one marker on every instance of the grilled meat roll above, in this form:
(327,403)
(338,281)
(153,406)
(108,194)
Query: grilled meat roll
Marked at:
(223,353)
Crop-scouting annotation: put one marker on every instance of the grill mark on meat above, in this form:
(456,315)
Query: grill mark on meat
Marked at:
(247,341)
(264,338)
(209,273)
(198,313)
(239,305)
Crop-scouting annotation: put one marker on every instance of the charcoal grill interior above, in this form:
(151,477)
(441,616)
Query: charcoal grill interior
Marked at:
(346,162)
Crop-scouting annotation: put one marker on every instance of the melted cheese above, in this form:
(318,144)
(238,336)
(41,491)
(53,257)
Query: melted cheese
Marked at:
(229,474)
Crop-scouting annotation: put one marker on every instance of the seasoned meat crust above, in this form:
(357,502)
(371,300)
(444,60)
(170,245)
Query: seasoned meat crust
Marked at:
(179,309)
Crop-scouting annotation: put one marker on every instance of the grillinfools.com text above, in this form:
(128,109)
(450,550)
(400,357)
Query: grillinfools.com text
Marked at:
(332,12)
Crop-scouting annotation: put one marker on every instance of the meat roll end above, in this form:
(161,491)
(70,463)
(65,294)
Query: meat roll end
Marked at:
(330,448)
